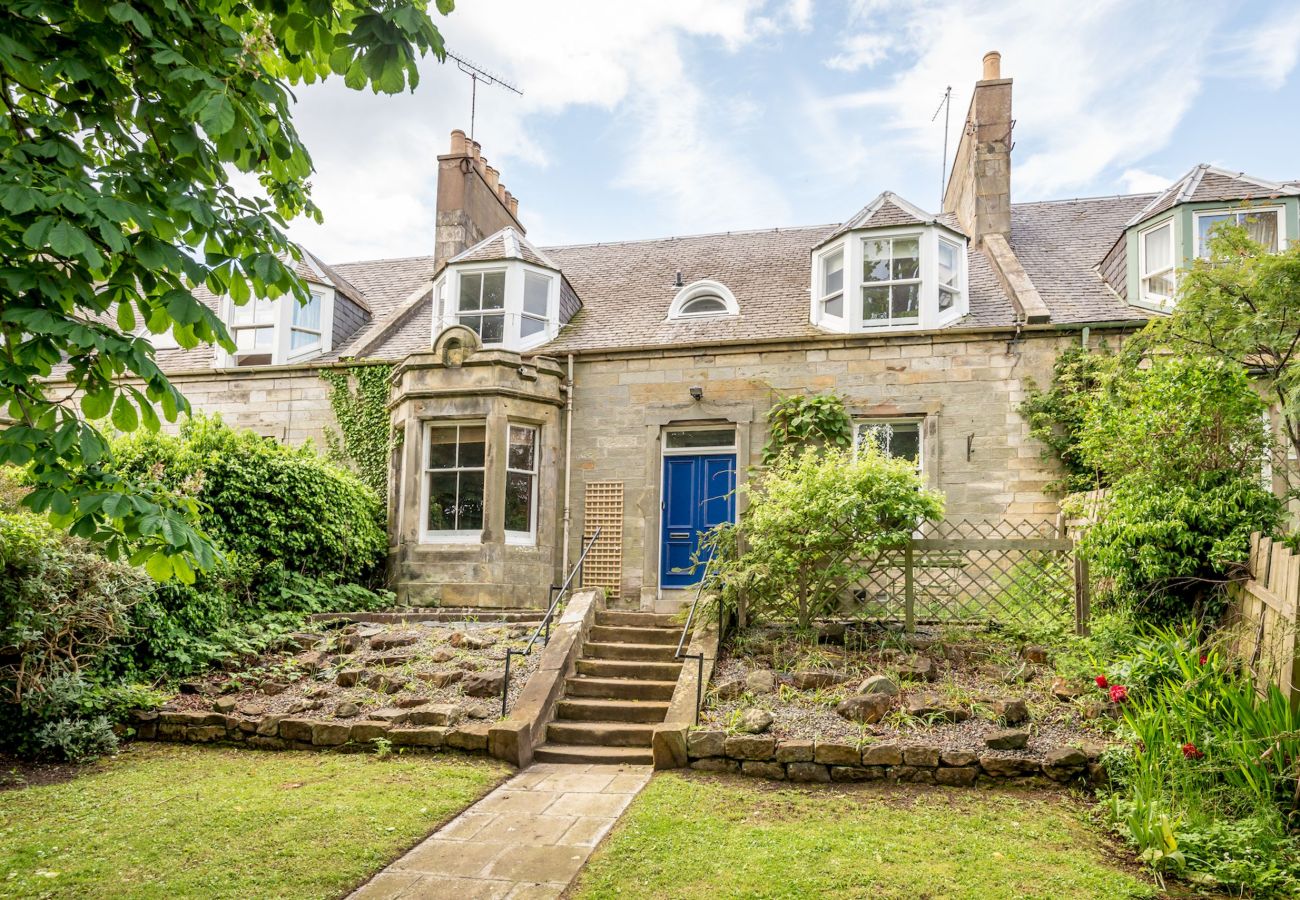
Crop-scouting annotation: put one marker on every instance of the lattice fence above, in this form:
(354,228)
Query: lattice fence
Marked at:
(960,570)
(602,508)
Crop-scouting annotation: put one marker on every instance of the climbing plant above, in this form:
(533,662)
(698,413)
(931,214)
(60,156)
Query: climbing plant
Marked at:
(359,397)
(800,419)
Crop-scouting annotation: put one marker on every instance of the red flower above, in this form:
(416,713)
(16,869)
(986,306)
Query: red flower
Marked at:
(1102,682)
(1118,693)
(1204,659)
(1190,752)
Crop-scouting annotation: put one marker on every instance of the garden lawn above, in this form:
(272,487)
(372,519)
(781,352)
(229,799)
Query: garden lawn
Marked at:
(163,821)
(700,836)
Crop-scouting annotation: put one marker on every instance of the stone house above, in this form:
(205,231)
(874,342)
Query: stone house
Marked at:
(542,392)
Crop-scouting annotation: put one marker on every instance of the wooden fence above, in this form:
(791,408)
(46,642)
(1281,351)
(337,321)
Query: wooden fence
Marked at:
(1263,615)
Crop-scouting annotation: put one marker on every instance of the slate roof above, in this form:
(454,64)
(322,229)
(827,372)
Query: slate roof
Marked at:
(889,209)
(505,244)
(1206,183)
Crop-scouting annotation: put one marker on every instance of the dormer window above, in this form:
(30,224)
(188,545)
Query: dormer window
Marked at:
(893,277)
(1156,263)
(280,331)
(703,300)
(1262,226)
(482,306)
(515,305)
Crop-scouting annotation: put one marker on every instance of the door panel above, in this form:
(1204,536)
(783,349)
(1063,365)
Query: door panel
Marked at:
(698,494)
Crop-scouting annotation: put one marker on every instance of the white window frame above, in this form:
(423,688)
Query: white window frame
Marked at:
(280,319)
(447,535)
(1144,275)
(958,286)
(529,537)
(1278,212)
(481,312)
(295,328)
(930,316)
(697,289)
(447,293)
(859,425)
(697,451)
(823,294)
(891,320)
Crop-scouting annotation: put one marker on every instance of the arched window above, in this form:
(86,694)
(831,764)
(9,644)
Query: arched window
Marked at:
(703,300)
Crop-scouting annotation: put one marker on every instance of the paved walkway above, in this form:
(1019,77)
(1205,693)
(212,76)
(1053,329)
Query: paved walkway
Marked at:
(526,839)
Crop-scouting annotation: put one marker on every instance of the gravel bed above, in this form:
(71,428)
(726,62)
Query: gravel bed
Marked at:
(304,679)
(971,671)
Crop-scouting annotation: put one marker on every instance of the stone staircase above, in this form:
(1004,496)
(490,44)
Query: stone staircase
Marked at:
(625,678)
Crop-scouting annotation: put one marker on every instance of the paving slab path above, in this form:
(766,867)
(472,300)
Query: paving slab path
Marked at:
(526,839)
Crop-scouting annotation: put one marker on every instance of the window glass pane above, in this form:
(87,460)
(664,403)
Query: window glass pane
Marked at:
(947,299)
(470,287)
(875,303)
(835,306)
(528,326)
(523,447)
(299,339)
(875,260)
(901,440)
(537,290)
(907,258)
(254,312)
(472,440)
(716,437)
(442,448)
(250,339)
(307,316)
(948,267)
(1262,228)
(442,501)
(907,300)
(1158,246)
(473,323)
(494,290)
(833,277)
(470,506)
(519,502)
(494,329)
(701,306)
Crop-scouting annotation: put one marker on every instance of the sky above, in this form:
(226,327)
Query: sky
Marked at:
(650,118)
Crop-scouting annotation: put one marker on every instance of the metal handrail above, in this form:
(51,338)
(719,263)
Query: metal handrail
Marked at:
(681,642)
(554,598)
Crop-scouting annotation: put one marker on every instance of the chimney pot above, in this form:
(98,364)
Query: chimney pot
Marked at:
(513,202)
(475,149)
(492,176)
(992,65)
(458,146)
(501,192)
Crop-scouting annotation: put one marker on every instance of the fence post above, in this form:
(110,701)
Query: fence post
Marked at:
(909,589)
(1082,596)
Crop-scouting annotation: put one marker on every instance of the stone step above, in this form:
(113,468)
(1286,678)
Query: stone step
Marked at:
(600,734)
(605,756)
(627,634)
(587,709)
(637,619)
(647,652)
(629,668)
(619,688)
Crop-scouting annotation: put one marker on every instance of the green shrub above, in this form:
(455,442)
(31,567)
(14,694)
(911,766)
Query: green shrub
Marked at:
(1056,415)
(817,522)
(266,502)
(76,740)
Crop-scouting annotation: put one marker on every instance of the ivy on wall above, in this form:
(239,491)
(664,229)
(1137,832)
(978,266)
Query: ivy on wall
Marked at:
(819,419)
(359,397)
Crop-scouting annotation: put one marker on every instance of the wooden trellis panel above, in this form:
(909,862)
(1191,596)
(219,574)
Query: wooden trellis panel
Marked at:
(603,509)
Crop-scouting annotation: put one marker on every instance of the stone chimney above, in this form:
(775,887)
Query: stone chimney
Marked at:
(472,203)
(979,187)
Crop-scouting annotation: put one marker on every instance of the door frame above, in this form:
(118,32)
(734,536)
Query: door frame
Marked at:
(664,453)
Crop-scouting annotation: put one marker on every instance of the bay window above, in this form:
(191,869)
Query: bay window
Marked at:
(482,306)
(515,305)
(280,331)
(1262,226)
(252,326)
(454,473)
(1156,263)
(893,278)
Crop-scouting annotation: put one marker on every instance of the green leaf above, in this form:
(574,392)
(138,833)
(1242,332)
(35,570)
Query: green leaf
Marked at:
(97,405)
(124,414)
(218,115)
(159,566)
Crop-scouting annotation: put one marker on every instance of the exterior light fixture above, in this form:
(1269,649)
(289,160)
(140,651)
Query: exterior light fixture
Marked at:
(697,392)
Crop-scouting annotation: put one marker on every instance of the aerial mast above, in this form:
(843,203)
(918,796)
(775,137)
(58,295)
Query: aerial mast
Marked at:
(477,74)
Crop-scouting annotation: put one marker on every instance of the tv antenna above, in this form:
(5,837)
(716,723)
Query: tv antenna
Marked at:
(945,106)
(477,74)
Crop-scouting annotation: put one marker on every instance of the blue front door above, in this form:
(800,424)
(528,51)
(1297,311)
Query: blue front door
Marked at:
(699,492)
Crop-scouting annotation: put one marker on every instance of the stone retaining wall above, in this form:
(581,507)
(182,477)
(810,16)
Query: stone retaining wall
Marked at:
(763,756)
(276,732)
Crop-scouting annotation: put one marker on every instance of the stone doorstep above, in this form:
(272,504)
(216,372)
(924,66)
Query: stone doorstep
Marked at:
(279,732)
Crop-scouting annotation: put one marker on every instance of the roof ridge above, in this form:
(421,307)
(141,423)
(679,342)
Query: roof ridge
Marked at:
(683,237)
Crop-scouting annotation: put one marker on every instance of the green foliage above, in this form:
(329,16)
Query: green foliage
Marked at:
(265,503)
(367,433)
(76,740)
(1207,779)
(1182,445)
(1056,415)
(1239,306)
(123,129)
(799,421)
(816,523)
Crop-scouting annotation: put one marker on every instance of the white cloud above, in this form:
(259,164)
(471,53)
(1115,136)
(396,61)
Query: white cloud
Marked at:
(1268,52)
(1098,86)
(375,155)
(860,51)
(1140,181)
